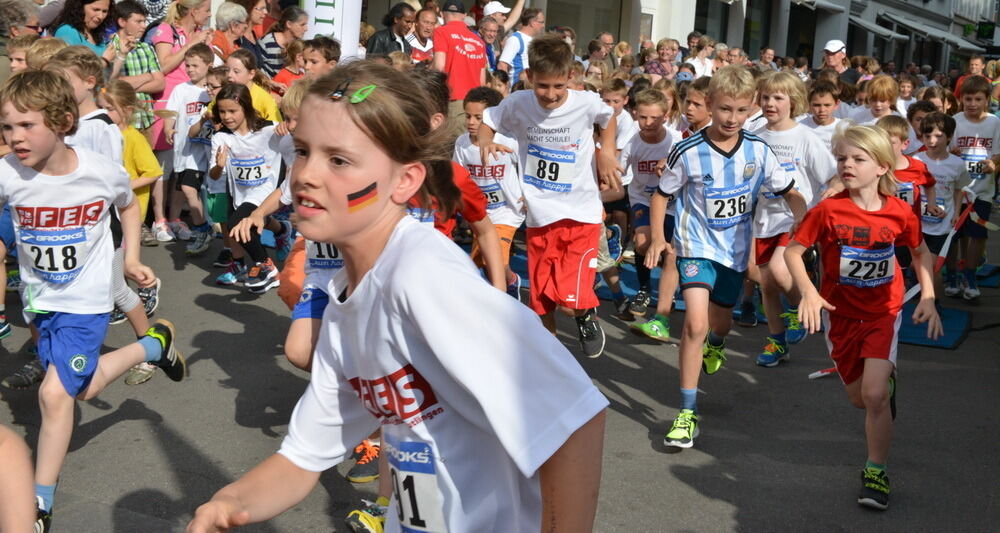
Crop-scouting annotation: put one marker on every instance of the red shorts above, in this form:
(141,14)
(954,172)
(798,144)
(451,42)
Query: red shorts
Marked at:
(765,247)
(562,258)
(851,341)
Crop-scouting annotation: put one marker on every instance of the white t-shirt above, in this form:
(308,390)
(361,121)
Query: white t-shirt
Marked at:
(472,393)
(903,105)
(641,159)
(96,132)
(802,153)
(556,153)
(978,141)
(415,44)
(825,133)
(845,110)
(515,54)
(189,101)
(499,181)
(62,225)
(252,166)
(951,175)
(702,67)
(625,129)
(863,117)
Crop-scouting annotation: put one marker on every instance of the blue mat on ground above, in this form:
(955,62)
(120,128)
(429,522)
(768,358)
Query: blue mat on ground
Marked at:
(988,276)
(956,326)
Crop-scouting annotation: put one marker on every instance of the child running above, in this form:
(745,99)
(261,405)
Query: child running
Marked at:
(715,176)
(861,292)
(62,198)
(451,401)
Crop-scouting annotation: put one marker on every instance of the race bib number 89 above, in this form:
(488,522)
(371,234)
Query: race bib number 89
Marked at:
(56,256)
(414,486)
(726,207)
(867,268)
(550,169)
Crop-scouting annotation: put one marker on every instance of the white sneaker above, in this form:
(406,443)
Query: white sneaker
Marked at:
(971,293)
(162,232)
(952,290)
(180,229)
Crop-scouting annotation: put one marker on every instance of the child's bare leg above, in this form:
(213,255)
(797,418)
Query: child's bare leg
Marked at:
(871,392)
(111,366)
(194,202)
(696,323)
(56,406)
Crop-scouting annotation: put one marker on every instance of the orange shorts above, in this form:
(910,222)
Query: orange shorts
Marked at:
(851,341)
(293,274)
(765,247)
(506,234)
(562,258)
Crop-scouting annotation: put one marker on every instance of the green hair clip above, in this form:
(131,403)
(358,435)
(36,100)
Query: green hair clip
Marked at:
(362,93)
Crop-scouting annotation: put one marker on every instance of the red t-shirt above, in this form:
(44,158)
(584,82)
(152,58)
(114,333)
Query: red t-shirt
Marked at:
(860,275)
(911,179)
(464,57)
(287,77)
(473,207)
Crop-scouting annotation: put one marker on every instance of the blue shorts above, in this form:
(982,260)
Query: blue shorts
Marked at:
(7,231)
(311,304)
(640,217)
(71,343)
(970,228)
(723,283)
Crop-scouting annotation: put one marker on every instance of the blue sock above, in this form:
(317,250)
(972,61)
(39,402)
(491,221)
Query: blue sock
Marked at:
(714,339)
(780,337)
(970,276)
(203,227)
(47,493)
(689,399)
(869,464)
(153,348)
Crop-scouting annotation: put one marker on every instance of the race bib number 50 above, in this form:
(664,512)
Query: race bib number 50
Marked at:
(550,169)
(414,486)
(56,256)
(867,268)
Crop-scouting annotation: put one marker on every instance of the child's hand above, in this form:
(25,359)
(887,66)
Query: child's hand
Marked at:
(809,310)
(222,156)
(169,136)
(927,312)
(281,129)
(494,150)
(609,171)
(140,273)
(656,248)
(242,230)
(219,514)
(989,166)
(936,211)
(661,167)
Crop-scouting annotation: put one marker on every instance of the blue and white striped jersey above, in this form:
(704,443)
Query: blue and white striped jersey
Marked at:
(715,193)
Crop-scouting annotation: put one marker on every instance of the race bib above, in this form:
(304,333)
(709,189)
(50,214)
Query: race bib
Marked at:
(975,162)
(321,255)
(56,256)
(867,268)
(550,169)
(788,166)
(905,192)
(494,196)
(414,486)
(726,207)
(249,172)
(925,216)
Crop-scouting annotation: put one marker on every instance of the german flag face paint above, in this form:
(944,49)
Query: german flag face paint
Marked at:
(362,199)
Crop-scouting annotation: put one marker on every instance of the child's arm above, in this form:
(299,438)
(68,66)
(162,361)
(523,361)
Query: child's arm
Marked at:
(834,186)
(256,219)
(131,228)
(812,303)
(923,261)
(658,241)
(139,183)
(221,156)
(570,480)
(263,493)
(608,169)
(932,208)
(488,148)
(17,493)
(489,246)
(797,203)
(168,129)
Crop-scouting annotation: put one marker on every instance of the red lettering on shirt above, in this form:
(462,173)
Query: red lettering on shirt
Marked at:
(194,108)
(400,395)
(60,217)
(647,166)
(486,171)
(974,142)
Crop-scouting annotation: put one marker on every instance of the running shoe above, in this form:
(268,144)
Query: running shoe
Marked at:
(237,273)
(162,232)
(874,489)
(366,467)
(224,259)
(150,297)
(621,309)
(262,277)
(117,316)
(683,431)
(774,353)
(5,329)
(13,280)
(147,238)
(200,243)
(748,314)
(654,328)
(971,292)
(794,332)
(892,394)
(283,242)
(953,287)
(615,243)
(139,374)
(640,304)
(29,374)
(713,357)
(180,230)
(43,520)
(514,289)
(591,334)
(171,361)
(370,518)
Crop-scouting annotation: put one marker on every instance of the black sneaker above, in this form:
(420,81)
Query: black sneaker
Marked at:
(29,374)
(366,467)
(116,317)
(172,362)
(43,520)
(622,310)
(748,314)
(874,489)
(640,304)
(591,334)
(224,259)
(262,277)
(892,394)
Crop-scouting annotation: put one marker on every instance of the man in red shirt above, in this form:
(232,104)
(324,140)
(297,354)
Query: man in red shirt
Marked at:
(461,55)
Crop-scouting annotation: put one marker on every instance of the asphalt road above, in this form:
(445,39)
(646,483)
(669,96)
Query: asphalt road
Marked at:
(777,451)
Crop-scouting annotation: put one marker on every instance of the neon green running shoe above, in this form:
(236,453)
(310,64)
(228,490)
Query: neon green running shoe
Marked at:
(684,430)
(654,328)
(874,489)
(794,332)
(713,357)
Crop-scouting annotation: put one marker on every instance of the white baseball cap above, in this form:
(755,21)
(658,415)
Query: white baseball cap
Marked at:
(835,46)
(494,7)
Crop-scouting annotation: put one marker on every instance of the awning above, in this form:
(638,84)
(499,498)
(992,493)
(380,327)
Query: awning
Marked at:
(884,33)
(934,33)
(825,5)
